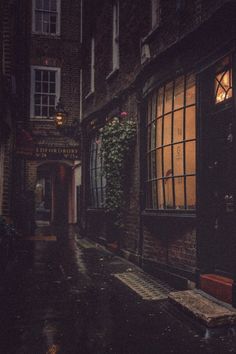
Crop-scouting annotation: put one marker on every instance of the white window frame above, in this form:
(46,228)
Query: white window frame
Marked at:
(58,23)
(58,87)
(155,13)
(115,36)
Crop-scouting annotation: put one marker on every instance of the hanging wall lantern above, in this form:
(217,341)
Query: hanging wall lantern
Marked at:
(60,116)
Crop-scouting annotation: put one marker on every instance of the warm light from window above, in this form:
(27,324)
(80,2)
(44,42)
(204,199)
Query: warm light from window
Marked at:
(223,84)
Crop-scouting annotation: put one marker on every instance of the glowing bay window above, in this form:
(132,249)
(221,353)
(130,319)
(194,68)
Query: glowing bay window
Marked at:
(171,146)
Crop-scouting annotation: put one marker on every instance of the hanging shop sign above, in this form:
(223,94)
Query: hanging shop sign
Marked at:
(53,152)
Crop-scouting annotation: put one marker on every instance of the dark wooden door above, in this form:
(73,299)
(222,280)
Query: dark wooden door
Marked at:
(220,187)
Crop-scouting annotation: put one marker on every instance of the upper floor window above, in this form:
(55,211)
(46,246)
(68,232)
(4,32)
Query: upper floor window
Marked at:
(171,146)
(46,17)
(97,179)
(115,37)
(155,13)
(45,91)
(223,81)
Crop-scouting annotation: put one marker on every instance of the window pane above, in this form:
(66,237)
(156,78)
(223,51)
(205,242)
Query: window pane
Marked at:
(190,90)
(44,100)
(44,111)
(52,88)
(51,111)
(52,28)
(190,157)
(46,4)
(154,194)
(149,195)
(168,97)
(148,138)
(223,86)
(38,4)
(52,76)
(159,163)
(38,75)
(154,98)
(53,5)
(178,160)
(153,135)
(178,126)
(153,164)
(167,129)
(52,100)
(37,87)
(159,132)
(38,21)
(167,161)
(45,75)
(168,193)
(160,102)
(149,109)
(37,99)
(190,125)
(46,23)
(179,93)
(179,192)
(191,192)
(37,111)
(160,194)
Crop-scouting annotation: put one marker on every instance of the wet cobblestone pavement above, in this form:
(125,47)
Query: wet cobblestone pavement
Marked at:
(61,297)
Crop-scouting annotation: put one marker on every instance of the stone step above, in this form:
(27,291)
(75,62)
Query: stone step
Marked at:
(218,286)
(204,308)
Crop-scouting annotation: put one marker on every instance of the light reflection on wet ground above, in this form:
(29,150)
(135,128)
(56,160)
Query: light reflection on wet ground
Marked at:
(59,297)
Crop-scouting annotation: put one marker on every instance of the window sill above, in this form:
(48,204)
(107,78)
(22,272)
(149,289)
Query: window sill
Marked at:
(90,94)
(47,35)
(169,215)
(38,119)
(113,73)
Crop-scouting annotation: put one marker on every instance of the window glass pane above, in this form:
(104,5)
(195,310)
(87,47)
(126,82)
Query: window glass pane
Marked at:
(52,76)
(190,157)
(154,193)
(168,193)
(159,163)
(52,100)
(179,93)
(149,195)
(223,86)
(51,111)
(179,192)
(178,159)
(190,90)
(160,102)
(38,21)
(44,111)
(45,75)
(44,99)
(38,4)
(191,192)
(153,164)
(37,111)
(45,22)
(53,5)
(52,88)
(37,87)
(37,99)
(167,129)
(45,87)
(168,97)
(160,194)
(154,98)
(153,135)
(190,123)
(167,161)
(46,4)
(178,125)
(37,75)
(52,28)
(159,132)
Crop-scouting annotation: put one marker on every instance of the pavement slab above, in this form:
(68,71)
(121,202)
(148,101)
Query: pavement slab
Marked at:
(204,309)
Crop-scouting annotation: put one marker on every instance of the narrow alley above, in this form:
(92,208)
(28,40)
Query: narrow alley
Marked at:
(60,296)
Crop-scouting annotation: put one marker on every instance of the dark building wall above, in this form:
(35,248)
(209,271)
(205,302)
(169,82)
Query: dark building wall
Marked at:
(189,32)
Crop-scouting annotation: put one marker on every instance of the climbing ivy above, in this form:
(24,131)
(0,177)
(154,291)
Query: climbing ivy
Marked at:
(118,136)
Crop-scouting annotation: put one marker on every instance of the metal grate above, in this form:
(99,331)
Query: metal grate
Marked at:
(144,286)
